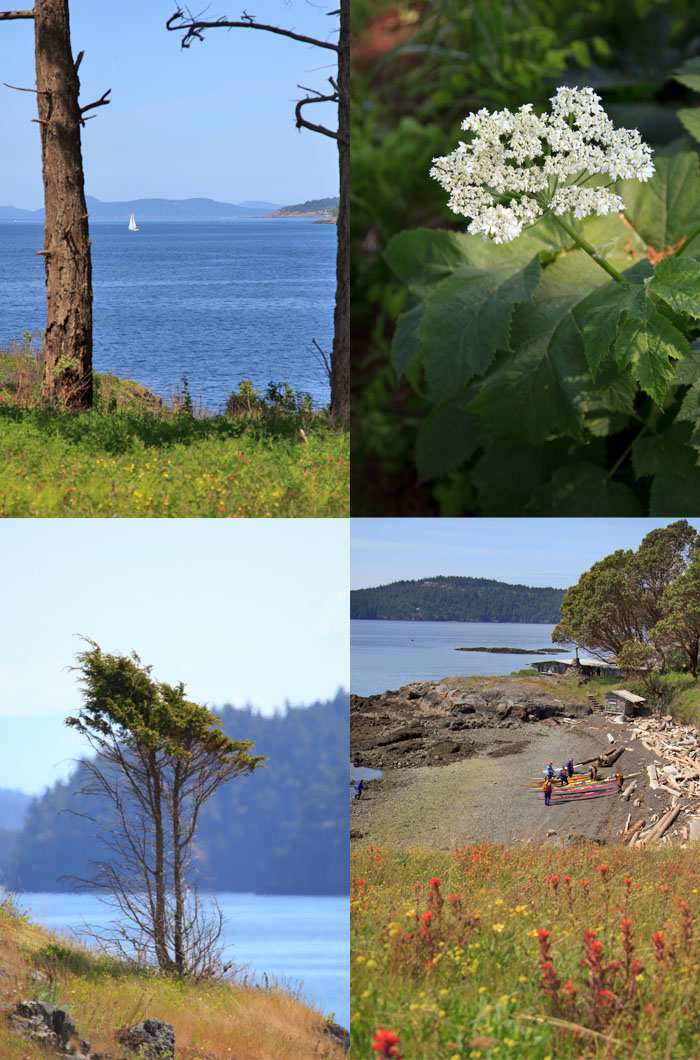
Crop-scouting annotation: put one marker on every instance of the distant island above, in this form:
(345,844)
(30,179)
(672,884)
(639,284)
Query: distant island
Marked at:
(518,651)
(183,210)
(457,599)
(322,208)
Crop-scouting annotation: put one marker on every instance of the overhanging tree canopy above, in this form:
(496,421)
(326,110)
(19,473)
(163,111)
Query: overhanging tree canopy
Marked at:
(617,606)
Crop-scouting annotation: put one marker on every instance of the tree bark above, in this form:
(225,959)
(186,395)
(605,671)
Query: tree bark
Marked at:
(159,929)
(178,883)
(68,366)
(340,363)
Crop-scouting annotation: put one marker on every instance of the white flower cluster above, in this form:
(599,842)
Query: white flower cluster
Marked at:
(519,165)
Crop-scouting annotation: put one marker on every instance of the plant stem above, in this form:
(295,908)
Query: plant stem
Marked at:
(584,245)
(687,243)
(650,422)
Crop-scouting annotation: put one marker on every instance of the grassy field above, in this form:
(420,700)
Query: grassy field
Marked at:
(212,1020)
(530,952)
(525,954)
(134,456)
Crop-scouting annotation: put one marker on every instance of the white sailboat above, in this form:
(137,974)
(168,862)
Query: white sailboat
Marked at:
(133,227)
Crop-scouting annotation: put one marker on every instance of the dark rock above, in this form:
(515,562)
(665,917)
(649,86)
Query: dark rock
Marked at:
(339,1034)
(44,1023)
(151,1039)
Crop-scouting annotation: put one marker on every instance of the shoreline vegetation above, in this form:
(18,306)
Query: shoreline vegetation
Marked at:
(269,454)
(484,927)
(212,1019)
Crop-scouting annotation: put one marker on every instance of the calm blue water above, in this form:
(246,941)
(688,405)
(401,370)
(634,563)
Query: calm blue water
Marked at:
(297,939)
(215,301)
(386,654)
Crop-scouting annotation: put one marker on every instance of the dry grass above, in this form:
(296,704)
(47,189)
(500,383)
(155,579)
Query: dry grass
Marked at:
(212,1020)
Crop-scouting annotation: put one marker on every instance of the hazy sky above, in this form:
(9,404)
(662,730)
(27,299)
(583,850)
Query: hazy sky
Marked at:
(253,611)
(215,120)
(537,552)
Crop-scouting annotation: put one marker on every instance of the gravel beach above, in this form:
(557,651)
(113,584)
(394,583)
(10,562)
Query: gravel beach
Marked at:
(484,797)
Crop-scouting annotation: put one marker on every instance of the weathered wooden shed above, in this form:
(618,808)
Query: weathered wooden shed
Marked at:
(622,702)
(585,667)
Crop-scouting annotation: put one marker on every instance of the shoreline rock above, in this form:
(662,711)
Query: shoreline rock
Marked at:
(431,723)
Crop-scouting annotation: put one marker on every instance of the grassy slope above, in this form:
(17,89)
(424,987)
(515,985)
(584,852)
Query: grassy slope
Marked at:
(212,1021)
(469,981)
(131,456)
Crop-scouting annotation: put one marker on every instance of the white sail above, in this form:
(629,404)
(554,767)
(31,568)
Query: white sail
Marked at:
(132,224)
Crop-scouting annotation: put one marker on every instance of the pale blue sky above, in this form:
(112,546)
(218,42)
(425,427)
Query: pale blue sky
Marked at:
(216,120)
(253,611)
(537,552)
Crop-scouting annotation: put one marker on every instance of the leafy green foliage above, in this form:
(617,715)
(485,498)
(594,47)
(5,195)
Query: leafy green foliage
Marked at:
(452,60)
(636,606)
(667,208)
(530,343)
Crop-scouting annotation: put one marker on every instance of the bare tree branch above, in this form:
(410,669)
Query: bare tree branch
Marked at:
(16,14)
(317,97)
(324,359)
(18,89)
(101,102)
(194,26)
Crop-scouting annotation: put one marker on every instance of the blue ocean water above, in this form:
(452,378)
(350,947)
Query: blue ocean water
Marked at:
(387,654)
(298,940)
(216,301)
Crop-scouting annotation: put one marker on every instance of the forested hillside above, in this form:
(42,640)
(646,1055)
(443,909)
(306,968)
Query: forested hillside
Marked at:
(453,599)
(282,830)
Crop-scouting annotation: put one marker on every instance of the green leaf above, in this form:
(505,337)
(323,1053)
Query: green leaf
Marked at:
(507,475)
(584,489)
(532,394)
(423,256)
(448,437)
(677,282)
(647,342)
(690,117)
(600,327)
(612,391)
(672,461)
(667,207)
(467,319)
(689,74)
(405,343)
(690,410)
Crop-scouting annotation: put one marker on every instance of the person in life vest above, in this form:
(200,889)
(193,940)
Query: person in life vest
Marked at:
(593,772)
(570,767)
(563,776)
(620,781)
(547,790)
(549,771)
(358,789)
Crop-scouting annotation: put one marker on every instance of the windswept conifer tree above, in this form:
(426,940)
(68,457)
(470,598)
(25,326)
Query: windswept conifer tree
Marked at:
(159,758)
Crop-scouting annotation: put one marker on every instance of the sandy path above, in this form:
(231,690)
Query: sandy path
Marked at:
(483,797)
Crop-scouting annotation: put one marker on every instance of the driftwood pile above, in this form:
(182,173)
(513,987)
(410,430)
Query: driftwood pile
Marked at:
(678,774)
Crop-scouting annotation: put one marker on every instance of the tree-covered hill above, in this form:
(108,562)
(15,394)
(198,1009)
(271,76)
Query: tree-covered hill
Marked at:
(454,599)
(282,830)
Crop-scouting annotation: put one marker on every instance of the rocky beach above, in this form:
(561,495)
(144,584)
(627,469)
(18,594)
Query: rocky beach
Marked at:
(456,756)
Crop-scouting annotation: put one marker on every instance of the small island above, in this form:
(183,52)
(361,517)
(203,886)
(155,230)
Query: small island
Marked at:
(518,651)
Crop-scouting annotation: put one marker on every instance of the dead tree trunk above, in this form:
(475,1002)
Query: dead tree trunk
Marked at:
(68,366)
(193,29)
(340,363)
